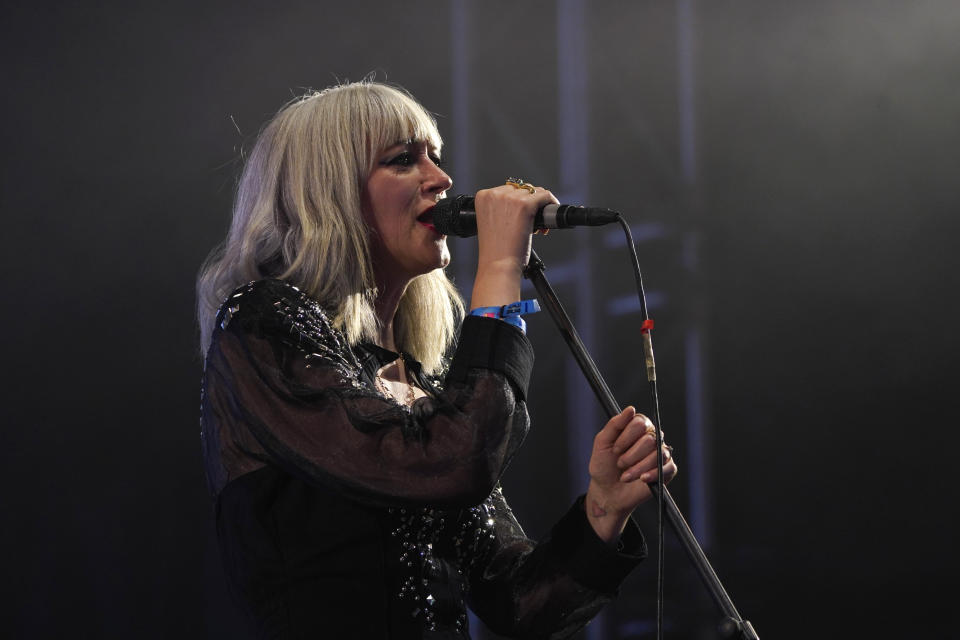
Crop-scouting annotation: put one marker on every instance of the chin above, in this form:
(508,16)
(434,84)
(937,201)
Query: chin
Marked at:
(444,257)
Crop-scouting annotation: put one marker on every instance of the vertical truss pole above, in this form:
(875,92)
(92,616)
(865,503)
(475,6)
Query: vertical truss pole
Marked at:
(462,147)
(574,172)
(698,454)
(574,145)
(462,158)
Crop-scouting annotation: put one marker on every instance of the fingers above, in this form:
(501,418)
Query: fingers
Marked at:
(510,206)
(638,427)
(504,229)
(614,427)
(637,451)
(646,469)
(547,199)
(636,448)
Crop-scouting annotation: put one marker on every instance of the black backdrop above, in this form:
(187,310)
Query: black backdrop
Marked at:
(825,200)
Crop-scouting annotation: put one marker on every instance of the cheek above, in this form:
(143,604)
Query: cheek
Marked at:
(377,208)
(381,228)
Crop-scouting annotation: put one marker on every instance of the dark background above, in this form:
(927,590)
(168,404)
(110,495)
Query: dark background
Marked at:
(822,201)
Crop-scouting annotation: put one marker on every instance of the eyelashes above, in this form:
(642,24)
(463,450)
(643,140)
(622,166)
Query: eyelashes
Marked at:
(404,159)
(409,158)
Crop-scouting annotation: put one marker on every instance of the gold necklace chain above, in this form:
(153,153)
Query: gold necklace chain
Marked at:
(403,379)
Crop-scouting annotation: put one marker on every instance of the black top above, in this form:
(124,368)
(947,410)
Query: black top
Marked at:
(343,514)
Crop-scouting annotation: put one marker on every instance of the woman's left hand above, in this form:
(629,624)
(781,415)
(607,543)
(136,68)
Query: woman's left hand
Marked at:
(623,461)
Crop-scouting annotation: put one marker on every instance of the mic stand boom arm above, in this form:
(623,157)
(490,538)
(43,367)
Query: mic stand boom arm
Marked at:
(733,625)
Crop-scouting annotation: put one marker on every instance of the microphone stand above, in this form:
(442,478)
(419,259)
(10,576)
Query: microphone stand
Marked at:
(732,625)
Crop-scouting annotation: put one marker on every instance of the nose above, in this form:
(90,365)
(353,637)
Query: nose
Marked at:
(436,179)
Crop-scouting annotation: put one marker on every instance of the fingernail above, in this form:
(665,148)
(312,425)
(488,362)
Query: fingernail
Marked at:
(626,477)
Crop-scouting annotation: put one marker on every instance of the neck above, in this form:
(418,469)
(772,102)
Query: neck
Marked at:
(388,299)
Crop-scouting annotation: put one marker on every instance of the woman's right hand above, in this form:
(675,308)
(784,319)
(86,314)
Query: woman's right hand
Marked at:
(505,217)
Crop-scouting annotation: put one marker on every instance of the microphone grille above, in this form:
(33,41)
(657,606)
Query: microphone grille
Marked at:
(449,219)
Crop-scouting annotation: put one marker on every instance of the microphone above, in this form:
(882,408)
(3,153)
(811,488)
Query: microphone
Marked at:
(456,216)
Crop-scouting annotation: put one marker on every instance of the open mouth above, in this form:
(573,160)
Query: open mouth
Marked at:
(426,219)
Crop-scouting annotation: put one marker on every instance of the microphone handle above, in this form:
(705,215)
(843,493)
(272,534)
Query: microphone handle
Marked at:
(565,216)
(551,216)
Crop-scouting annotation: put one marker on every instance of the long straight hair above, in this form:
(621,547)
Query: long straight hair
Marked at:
(297,217)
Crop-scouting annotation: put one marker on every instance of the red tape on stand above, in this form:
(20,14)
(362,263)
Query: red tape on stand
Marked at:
(646,326)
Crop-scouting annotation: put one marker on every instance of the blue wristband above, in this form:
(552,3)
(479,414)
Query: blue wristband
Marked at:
(516,321)
(510,312)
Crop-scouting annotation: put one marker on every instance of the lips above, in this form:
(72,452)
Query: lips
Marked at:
(426,219)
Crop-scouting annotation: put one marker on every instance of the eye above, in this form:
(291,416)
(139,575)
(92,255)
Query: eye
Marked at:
(436,159)
(402,159)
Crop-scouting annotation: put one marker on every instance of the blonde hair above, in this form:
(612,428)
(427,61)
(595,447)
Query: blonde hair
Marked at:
(297,217)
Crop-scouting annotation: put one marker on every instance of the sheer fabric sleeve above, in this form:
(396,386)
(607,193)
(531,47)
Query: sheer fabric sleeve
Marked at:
(282,387)
(551,588)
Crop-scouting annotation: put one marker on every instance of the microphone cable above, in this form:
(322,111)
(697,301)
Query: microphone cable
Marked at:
(646,328)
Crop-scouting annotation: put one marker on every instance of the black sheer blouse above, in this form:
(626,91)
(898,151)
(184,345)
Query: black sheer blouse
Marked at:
(342,514)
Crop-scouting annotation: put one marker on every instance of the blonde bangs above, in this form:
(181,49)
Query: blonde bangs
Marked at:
(396,118)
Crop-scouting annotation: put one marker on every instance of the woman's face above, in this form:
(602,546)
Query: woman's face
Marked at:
(402,189)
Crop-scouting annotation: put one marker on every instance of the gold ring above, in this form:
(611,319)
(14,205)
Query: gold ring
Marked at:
(519,183)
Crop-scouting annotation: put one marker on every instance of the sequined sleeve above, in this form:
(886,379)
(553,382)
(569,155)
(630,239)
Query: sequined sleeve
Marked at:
(282,387)
(551,588)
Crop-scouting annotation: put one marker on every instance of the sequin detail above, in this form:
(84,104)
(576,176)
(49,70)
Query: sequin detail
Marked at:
(476,534)
(422,533)
(418,532)
(301,321)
